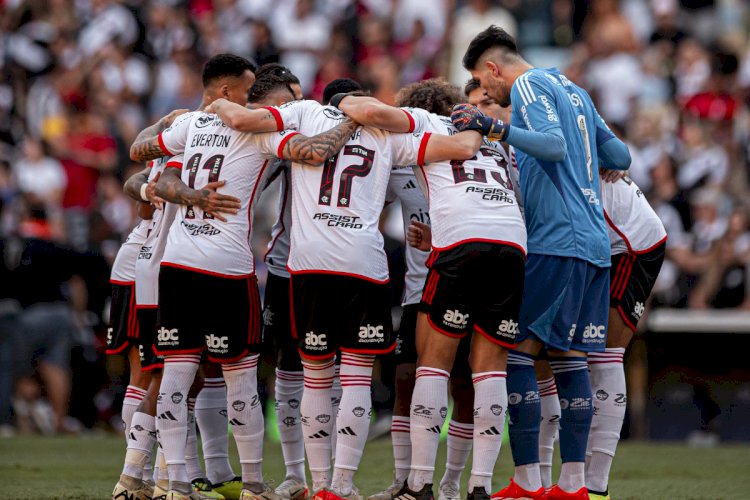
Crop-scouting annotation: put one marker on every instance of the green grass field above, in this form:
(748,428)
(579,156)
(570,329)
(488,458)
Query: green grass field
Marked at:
(88,467)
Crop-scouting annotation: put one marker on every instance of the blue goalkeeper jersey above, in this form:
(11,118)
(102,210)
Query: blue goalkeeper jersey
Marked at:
(564,216)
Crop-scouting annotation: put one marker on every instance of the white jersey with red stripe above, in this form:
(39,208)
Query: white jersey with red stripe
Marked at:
(403,186)
(152,249)
(123,269)
(214,152)
(277,254)
(470,200)
(336,207)
(632,224)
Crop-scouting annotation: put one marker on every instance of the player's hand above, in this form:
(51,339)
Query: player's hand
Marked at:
(419,235)
(468,117)
(169,119)
(214,106)
(611,176)
(155,200)
(215,203)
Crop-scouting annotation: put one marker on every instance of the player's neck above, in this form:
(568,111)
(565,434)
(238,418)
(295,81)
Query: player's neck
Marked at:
(517,69)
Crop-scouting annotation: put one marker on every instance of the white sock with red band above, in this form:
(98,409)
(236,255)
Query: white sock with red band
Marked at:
(460,439)
(429,407)
(401,441)
(317,421)
(353,419)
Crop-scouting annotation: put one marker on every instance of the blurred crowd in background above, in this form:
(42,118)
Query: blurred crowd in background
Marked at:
(83,77)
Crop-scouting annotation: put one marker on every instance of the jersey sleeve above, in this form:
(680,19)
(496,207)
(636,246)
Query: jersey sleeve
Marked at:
(534,103)
(173,139)
(271,144)
(409,149)
(291,115)
(176,161)
(419,119)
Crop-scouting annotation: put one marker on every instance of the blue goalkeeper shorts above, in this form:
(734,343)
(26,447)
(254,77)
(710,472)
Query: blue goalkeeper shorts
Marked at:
(565,303)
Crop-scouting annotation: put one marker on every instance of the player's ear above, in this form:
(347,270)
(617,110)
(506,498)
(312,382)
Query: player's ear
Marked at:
(493,68)
(224,91)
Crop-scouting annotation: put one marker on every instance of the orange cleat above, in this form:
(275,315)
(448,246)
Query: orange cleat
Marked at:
(513,491)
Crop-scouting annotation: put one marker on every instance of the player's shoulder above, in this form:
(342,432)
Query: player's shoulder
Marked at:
(430,122)
(183,120)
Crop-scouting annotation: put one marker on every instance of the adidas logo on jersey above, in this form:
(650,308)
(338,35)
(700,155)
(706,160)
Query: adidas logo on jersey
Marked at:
(455,318)
(166,336)
(593,333)
(638,309)
(217,344)
(316,341)
(371,333)
(508,328)
(410,185)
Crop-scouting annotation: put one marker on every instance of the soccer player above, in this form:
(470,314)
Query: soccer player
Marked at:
(208,261)
(339,272)
(559,140)
(478,239)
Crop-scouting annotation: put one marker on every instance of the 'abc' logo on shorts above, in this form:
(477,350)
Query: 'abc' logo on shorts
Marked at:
(455,318)
(166,335)
(316,340)
(371,332)
(594,332)
(216,342)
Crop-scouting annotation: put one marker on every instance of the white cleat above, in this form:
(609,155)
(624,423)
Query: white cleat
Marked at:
(449,491)
(388,493)
(293,488)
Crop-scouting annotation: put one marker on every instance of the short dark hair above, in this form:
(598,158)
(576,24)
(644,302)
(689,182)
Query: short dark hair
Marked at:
(222,65)
(434,95)
(494,36)
(278,70)
(267,84)
(471,85)
(340,86)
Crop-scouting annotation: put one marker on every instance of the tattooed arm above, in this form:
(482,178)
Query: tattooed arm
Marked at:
(171,188)
(146,144)
(318,149)
(133,185)
(243,119)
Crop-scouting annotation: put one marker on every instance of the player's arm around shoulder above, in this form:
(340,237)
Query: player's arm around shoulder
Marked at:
(371,112)
(439,147)
(148,145)
(318,149)
(243,119)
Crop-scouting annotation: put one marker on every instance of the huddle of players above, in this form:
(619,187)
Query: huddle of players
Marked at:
(331,294)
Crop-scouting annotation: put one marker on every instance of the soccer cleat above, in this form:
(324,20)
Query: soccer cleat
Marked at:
(513,491)
(478,493)
(599,496)
(132,490)
(407,494)
(388,493)
(159,493)
(327,494)
(194,495)
(449,491)
(556,493)
(266,493)
(230,489)
(203,486)
(293,488)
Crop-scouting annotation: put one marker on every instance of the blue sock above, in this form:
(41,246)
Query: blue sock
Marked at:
(574,391)
(524,409)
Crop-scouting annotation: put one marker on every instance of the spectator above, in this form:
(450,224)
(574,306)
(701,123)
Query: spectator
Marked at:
(40,177)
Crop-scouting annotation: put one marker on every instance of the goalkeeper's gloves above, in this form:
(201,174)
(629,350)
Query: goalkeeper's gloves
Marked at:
(468,117)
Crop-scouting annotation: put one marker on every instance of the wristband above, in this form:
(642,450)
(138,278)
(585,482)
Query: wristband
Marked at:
(336,99)
(144,186)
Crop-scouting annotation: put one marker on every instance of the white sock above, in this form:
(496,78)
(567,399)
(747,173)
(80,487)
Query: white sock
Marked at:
(401,447)
(336,392)
(141,441)
(317,421)
(460,439)
(211,416)
(527,477)
(289,386)
(246,415)
(171,414)
(548,429)
(429,407)
(571,476)
(192,460)
(353,420)
(490,403)
(610,399)
(133,397)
